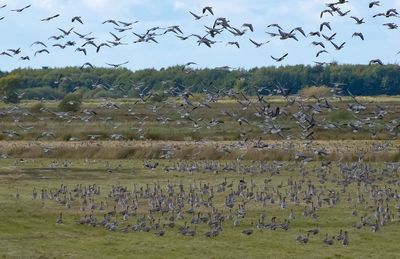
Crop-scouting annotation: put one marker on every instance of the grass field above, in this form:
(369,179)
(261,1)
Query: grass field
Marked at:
(29,229)
(170,176)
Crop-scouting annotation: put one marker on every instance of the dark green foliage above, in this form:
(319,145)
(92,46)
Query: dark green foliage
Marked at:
(70,103)
(9,86)
(104,82)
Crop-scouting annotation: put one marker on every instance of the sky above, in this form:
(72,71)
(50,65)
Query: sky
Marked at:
(21,29)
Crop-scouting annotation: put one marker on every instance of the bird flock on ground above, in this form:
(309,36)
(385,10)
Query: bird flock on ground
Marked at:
(162,207)
(124,33)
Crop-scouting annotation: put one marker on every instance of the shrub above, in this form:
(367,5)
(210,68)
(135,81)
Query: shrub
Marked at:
(70,103)
(318,91)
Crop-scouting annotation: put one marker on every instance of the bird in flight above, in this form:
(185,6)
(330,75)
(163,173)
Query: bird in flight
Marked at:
(280,58)
(77,19)
(22,9)
(208,9)
(117,65)
(50,18)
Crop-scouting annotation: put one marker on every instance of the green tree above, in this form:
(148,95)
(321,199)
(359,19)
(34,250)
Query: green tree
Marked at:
(9,86)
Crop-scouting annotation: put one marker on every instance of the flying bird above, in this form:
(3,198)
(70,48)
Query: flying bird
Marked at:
(257,44)
(337,47)
(359,34)
(117,65)
(376,61)
(77,19)
(41,51)
(87,64)
(374,3)
(208,9)
(50,18)
(197,17)
(39,43)
(326,24)
(280,58)
(22,9)
(358,20)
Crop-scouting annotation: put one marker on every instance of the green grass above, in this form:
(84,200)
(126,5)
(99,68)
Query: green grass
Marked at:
(28,229)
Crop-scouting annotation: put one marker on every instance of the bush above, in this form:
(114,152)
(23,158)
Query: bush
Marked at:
(70,103)
(37,107)
(318,91)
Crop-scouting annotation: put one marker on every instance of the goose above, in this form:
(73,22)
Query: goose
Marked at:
(338,47)
(66,32)
(117,65)
(233,43)
(39,43)
(248,25)
(374,3)
(358,20)
(320,52)
(359,34)
(258,44)
(41,51)
(208,9)
(111,21)
(376,61)
(77,19)
(325,24)
(279,59)
(197,17)
(21,9)
(116,37)
(50,18)
(81,50)
(127,24)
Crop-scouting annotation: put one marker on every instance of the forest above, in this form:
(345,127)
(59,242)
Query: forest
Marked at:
(55,83)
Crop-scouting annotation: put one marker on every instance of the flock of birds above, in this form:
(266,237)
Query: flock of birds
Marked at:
(168,207)
(187,208)
(85,42)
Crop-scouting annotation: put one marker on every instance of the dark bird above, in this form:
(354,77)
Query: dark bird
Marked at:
(358,20)
(15,51)
(20,10)
(25,58)
(233,43)
(39,43)
(208,9)
(127,24)
(197,17)
(111,21)
(77,19)
(299,29)
(102,45)
(320,52)
(258,44)
(81,50)
(87,64)
(275,25)
(50,18)
(375,61)
(41,51)
(280,58)
(338,47)
(358,34)
(318,43)
(374,3)
(248,25)
(117,65)
(326,24)
(66,32)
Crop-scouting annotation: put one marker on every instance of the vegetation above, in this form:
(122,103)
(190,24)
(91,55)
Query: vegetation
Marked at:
(102,82)
(70,103)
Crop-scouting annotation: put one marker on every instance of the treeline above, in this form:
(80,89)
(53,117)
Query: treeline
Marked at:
(104,82)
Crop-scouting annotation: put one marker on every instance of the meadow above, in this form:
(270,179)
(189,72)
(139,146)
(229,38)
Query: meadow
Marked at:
(213,191)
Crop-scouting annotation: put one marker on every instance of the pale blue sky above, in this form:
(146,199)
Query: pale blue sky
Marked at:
(20,30)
